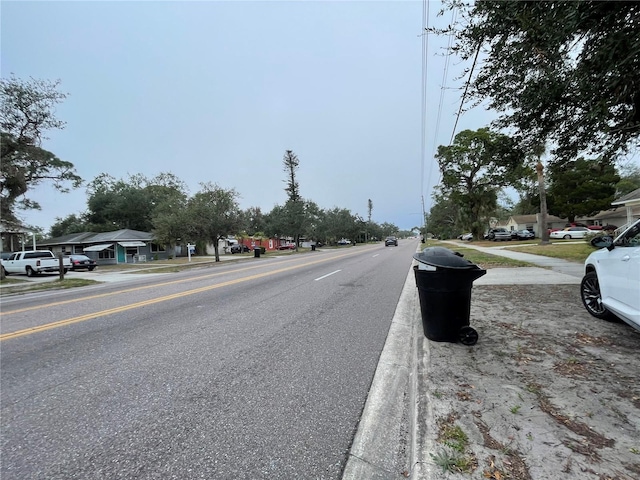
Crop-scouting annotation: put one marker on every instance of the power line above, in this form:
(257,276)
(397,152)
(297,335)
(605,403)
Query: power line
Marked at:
(466,88)
(445,73)
(423,140)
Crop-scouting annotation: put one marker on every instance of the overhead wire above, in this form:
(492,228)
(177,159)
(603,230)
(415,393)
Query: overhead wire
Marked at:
(423,100)
(443,87)
(466,89)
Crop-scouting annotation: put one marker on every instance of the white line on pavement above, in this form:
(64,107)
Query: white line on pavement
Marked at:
(327,275)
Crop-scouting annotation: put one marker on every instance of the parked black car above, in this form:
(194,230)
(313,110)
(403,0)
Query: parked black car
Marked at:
(236,248)
(522,235)
(82,262)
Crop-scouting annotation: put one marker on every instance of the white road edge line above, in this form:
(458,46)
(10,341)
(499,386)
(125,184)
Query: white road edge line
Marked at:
(327,275)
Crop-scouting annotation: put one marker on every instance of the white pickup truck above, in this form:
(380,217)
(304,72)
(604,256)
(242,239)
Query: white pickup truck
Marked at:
(33,262)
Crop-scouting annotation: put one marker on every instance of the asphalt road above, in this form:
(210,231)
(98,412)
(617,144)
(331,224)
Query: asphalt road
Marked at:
(251,370)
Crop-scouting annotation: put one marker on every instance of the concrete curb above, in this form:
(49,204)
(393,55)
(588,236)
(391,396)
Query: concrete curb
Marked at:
(376,446)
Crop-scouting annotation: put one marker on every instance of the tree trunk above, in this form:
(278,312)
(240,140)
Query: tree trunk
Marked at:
(544,231)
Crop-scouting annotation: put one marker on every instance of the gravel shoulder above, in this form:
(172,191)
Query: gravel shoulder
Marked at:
(547,392)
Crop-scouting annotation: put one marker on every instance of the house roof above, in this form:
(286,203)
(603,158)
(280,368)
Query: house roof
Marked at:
(14,227)
(533,218)
(631,197)
(524,218)
(615,213)
(84,238)
(122,236)
(71,238)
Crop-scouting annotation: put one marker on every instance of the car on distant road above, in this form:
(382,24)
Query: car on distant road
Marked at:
(82,262)
(610,287)
(570,233)
(522,235)
(391,241)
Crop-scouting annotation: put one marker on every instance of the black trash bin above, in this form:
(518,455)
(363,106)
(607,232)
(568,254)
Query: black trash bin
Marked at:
(444,281)
(313,247)
(256,252)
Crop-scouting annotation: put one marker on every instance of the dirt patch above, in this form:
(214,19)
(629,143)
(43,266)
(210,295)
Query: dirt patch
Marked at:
(547,392)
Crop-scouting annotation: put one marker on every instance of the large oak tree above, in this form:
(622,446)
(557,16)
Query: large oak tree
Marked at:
(475,168)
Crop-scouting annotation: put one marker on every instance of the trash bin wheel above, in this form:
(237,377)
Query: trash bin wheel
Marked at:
(468,336)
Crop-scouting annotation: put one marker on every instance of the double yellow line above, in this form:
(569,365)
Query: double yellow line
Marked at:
(89,316)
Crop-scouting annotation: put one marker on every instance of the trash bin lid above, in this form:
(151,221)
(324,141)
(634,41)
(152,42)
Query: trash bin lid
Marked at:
(444,258)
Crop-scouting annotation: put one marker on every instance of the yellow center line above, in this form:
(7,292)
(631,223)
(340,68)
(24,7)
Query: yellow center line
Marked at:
(89,316)
(156,285)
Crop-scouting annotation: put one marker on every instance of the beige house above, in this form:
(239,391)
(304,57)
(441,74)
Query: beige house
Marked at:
(532,223)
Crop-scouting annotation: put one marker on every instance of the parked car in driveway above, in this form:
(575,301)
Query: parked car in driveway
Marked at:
(499,234)
(467,237)
(610,287)
(391,241)
(82,262)
(522,235)
(570,233)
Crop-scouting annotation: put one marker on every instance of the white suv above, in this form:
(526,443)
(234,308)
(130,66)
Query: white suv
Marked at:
(611,284)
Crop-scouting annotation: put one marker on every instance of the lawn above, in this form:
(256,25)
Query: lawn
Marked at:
(14,285)
(571,251)
(484,260)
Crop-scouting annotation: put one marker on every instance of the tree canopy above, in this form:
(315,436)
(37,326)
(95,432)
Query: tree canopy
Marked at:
(581,188)
(133,202)
(212,214)
(26,113)
(559,71)
(474,169)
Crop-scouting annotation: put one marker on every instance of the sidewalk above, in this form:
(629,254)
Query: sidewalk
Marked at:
(547,392)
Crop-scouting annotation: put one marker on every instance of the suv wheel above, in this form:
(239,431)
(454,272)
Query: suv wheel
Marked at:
(592,298)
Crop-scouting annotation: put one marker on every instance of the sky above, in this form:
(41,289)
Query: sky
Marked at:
(217,92)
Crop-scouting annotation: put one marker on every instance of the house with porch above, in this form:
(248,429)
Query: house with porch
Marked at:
(15,237)
(109,248)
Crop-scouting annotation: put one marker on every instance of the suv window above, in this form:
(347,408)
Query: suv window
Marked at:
(631,238)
